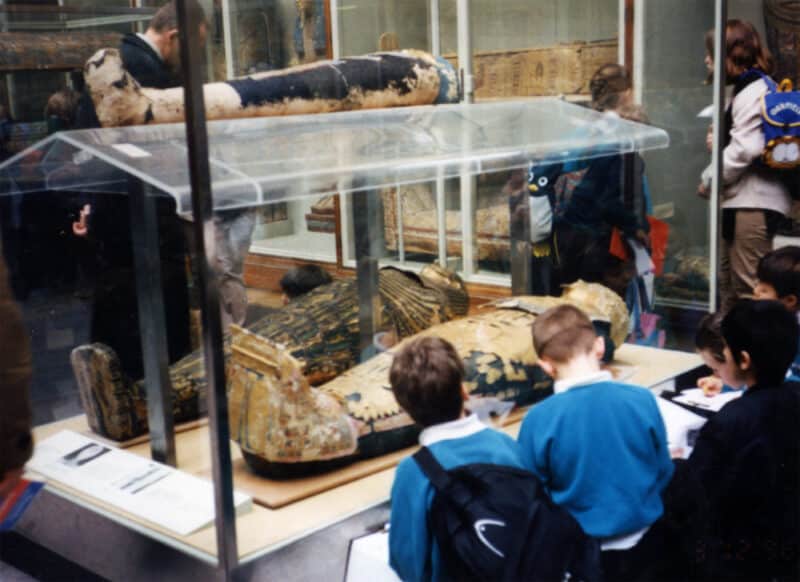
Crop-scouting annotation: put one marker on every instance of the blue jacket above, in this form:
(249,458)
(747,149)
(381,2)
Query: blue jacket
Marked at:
(601,450)
(412,550)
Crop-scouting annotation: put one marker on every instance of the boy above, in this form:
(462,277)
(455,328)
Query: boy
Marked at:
(426,378)
(600,447)
(711,346)
(746,456)
(779,278)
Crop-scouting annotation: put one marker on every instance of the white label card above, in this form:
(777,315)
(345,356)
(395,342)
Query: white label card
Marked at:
(130,150)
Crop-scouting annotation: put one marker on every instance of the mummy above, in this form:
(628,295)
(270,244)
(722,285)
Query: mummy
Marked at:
(391,79)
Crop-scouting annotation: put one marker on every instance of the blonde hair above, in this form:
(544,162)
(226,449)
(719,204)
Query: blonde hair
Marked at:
(562,333)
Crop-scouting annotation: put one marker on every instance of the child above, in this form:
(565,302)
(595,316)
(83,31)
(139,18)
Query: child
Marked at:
(779,278)
(300,280)
(753,201)
(600,447)
(746,456)
(426,378)
(711,346)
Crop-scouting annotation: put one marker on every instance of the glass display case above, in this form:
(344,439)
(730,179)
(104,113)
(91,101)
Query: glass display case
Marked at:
(137,180)
(100,233)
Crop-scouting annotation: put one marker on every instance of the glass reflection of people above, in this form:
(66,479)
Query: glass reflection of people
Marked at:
(16,442)
(85,454)
(754,199)
(595,200)
(153,59)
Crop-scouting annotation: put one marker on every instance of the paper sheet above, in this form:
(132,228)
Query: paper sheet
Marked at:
(682,426)
(695,397)
(137,485)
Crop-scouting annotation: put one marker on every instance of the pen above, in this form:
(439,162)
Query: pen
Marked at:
(698,404)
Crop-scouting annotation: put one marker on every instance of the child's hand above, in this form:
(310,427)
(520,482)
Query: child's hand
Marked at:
(710,385)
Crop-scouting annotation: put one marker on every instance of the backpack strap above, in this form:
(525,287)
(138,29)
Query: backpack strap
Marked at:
(772,87)
(432,469)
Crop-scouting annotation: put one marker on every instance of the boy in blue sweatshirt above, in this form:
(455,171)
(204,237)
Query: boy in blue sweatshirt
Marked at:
(779,279)
(600,447)
(426,378)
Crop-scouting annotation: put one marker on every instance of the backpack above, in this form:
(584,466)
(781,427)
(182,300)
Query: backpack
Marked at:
(493,522)
(780,122)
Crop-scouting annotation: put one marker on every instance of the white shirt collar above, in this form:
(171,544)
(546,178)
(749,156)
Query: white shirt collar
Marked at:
(153,46)
(567,383)
(455,429)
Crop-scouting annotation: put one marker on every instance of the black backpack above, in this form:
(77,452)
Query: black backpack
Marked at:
(493,522)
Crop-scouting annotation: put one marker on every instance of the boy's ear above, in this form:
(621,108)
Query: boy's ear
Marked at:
(790,301)
(599,347)
(547,365)
(745,362)
(464,393)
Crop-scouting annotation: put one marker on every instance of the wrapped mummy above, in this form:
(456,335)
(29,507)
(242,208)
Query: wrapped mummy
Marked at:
(368,82)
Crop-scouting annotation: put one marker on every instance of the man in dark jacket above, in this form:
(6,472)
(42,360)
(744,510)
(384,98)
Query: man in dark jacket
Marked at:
(746,459)
(16,443)
(153,59)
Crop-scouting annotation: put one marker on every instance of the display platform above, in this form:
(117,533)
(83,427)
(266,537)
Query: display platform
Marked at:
(309,505)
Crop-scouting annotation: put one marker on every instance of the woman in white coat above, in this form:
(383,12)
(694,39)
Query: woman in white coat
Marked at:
(755,198)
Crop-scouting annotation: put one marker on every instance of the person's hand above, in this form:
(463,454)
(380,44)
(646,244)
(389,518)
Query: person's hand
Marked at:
(710,138)
(710,385)
(703,191)
(81,228)
(9,481)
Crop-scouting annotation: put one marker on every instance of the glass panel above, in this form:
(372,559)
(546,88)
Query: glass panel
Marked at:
(676,98)
(369,149)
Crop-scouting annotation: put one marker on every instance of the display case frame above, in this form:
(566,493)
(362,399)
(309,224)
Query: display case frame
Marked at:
(203,206)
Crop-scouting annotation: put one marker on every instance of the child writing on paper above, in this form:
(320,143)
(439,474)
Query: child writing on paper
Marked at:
(599,446)
(710,345)
(745,461)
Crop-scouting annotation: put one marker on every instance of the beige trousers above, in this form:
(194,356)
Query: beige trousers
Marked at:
(739,258)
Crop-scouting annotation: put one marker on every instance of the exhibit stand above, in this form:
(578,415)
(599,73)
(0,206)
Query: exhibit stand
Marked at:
(257,164)
(306,537)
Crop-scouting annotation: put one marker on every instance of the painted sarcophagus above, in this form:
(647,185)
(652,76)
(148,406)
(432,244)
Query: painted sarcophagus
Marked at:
(286,428)
(319,329)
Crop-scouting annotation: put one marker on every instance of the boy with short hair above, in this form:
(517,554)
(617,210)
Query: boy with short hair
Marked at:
(426,378)
(746,456)
(710,345)
(779,279)
(600,447)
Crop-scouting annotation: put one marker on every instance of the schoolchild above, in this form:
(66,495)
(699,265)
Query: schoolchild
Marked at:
(426,378)
(779,278)
(755,200)
(710,345)
(599,446)
(746,458)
